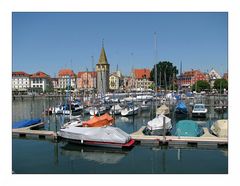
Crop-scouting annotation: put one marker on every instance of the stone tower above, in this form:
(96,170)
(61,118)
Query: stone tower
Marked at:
(102,69)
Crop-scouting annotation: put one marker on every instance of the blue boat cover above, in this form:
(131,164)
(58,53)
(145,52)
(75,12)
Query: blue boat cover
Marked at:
(178,97)
(188,128)
(181,106)
(25,123)
(189,94)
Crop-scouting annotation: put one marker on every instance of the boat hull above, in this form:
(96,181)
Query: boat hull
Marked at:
(103,144)
(129,112)
(199,114)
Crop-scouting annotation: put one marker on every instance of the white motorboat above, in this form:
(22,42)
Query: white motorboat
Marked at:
(116,109)
(97,110)
(199,110)
(156,126)
(145,106)
(130,110)
(97,136)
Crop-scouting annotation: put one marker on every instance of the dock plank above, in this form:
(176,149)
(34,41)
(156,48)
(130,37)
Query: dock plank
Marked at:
(206,139)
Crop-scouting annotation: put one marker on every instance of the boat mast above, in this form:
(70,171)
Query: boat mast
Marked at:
(155,38)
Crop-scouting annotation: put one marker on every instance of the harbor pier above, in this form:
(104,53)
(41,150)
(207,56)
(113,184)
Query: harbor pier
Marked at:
(207,140)
(32,132)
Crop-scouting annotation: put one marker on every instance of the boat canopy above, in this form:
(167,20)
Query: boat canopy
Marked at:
(199,107)
(181,107)
(220,128)
(162,110)
(26,123)
(99,134)
(188,128)
(99,121)
(157,123)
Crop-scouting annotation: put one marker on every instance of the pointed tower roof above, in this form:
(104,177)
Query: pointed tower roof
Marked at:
(103,57)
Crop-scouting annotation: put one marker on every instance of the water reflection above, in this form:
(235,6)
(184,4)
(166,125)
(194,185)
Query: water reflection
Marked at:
(99,155)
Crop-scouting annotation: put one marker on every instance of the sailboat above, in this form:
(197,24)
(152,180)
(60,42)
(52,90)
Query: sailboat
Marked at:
(116,109)
(130,110)
(97,110)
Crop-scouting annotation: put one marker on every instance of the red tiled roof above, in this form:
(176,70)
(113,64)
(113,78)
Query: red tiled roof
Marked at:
(66,72)
(39,75)
(141,73)
(93,74)
(20,73)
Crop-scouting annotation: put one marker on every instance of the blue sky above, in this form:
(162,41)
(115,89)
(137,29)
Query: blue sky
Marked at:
(51,41)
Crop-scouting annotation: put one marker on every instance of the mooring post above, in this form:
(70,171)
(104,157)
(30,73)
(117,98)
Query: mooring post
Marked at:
(164,129)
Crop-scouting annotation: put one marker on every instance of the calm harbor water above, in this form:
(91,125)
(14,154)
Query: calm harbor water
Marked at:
(43,156)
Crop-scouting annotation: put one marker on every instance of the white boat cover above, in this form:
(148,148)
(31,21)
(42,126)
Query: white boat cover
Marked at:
(220,128)
(157,123)
(162,110)
(97,134)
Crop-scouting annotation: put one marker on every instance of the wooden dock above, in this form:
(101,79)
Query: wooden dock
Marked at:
(30,132)
(207,140)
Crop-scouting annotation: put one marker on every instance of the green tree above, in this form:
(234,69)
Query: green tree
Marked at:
(221,84)
(201,85)
(167,72)
(152,86)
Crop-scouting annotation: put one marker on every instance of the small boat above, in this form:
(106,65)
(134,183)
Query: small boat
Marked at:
(58,109)
(221,108)
(220,128)
(116,109)
(26,123)
(199,110)
(97,136)
(98,121)
(163,110)
(97,111)
(145,106)
(156,126)
(181,108)
(187,128)
(76,109)
(129,110)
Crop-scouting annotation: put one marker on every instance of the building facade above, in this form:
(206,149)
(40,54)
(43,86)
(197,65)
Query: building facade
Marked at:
(115,81)
(141,79)
(189,78)
(20,81)
(55,84)
(40,82)
(86,80)
(64,76)
(225,76)
(213,75)
(102,69)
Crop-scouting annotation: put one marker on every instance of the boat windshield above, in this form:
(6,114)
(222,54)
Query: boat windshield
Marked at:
(199,107)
